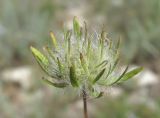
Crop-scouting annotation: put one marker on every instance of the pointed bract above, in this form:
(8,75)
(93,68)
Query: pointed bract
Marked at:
(120,77)
(99,76)
(53,39)
(76,27)
(73,78)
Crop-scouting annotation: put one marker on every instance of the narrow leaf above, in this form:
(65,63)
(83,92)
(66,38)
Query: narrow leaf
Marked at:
(114,65)
(102,43)
(120,77)
(109,71)
(131,74)
(112,68)
(99,76)
(59,65)
(38,55)
(68,35)
(53,39)
(84,63)
(69,45)
(73,78)
(104,63)
(40,58)
(76,27)
(88,48)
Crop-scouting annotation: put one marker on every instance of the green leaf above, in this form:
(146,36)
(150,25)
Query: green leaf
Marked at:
(69,46)
(88,48)
(111,68)
(84,63)
(109,71)
(60,66)
(120,77)
(73,78)
(76,27)
(53,39)
(99,76)
(102,39)
(68,38)
(40,58)
(115,64)
(104,63)
(131,74)
(58,85)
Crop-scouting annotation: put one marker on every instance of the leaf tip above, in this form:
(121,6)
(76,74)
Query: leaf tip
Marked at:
(53,38)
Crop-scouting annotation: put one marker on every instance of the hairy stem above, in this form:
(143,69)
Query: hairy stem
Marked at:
(85,103)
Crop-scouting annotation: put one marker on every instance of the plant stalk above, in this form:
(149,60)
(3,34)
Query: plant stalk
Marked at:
(85,103)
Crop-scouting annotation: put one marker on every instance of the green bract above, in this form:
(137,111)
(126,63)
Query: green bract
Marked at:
(82,59)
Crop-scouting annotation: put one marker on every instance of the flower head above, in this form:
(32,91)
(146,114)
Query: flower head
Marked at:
(82,60)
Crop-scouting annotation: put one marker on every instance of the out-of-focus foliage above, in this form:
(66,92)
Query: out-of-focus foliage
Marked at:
(31,103)
(22,23)
(26,22)
(121,108)
(137,22)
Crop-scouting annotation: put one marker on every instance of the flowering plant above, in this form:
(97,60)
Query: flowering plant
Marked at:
(83,61)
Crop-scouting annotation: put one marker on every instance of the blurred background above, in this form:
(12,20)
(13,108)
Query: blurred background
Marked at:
(27,22)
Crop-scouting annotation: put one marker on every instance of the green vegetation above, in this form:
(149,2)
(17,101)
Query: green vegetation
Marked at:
(137,22)
(83,62)
(25,23)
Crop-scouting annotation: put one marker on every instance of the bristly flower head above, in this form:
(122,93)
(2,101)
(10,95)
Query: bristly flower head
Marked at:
(82,60)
